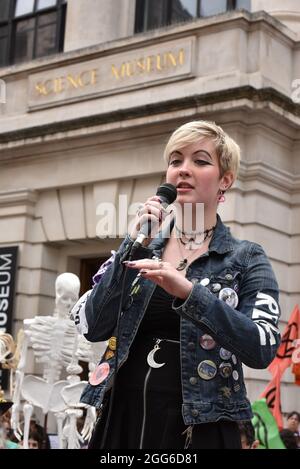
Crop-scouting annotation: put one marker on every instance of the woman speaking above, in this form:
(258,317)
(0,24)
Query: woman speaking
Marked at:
(197,303)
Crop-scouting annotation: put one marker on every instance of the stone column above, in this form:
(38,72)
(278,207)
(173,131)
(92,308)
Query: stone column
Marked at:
(91,22)
(37,262)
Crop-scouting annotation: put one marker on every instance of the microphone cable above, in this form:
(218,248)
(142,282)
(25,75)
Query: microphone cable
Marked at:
(168,194)
(112,392)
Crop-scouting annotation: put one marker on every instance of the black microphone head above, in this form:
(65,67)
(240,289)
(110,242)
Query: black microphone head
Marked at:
(167,193)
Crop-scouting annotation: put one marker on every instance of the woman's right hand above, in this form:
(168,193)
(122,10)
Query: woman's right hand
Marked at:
(153,211)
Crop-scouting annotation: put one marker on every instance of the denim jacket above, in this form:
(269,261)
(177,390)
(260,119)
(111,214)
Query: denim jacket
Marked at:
(245,332)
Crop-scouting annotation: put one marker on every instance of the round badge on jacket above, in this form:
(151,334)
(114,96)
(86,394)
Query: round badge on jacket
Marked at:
(224,354)
(99,374)
(207,369)
(207,342)
(204,282)
(112,343)
(229,296)
(225,370)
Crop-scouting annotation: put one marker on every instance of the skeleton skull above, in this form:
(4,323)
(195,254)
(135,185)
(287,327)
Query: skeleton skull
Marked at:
(67,288)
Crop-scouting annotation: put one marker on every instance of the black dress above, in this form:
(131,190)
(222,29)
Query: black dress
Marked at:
(147,404)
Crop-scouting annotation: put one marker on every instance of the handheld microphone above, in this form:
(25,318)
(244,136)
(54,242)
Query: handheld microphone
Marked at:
(167,194)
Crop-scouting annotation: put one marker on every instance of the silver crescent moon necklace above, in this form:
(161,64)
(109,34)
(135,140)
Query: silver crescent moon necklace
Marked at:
(150,357)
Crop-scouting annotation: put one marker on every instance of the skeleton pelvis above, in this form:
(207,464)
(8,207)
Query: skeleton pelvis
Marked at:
(44,395)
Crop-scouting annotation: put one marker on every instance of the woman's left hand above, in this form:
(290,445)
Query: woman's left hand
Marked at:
(163,274)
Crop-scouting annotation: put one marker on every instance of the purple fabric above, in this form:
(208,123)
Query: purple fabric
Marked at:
(103,268)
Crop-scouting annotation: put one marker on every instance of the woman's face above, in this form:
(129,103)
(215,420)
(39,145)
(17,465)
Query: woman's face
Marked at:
(194,171)
(293,423)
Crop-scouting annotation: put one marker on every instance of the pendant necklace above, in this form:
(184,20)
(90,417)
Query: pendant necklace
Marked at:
(182,264)
(184,261)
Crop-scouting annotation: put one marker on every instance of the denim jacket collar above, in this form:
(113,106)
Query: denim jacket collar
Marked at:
(221,241)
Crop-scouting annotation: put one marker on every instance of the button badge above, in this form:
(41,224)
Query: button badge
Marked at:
(99,374)
(228,277)
(204,282)
(225,354)
(207,369)
(112,343)
(207,342)
(229,296)
(216,287)
(109,354)
(225,370)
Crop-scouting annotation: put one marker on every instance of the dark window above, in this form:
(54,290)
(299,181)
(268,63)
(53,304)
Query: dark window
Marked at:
(30,29)
(24,40)
(3,44)
(88,268)
(47,32)
(209,8)
(4,10)
(151,14)
(243,5)
(184,10)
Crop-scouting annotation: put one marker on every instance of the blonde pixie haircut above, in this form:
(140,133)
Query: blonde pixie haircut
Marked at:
(227,149)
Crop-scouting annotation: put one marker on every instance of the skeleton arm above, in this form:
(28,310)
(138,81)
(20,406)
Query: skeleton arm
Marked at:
(15,411)
(70,430)
(89,423)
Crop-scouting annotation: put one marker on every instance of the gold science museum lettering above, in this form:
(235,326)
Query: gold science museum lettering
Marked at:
(134,68)
(146,65)
(70,81)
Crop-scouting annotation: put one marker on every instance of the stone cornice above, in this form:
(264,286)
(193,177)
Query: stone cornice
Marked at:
(260,171)
(19,197)
(266,96)
(18,203)
(246,20)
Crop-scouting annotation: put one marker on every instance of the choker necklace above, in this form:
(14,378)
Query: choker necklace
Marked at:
(192,239)
(184,261)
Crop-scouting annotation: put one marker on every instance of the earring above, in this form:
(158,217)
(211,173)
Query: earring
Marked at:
(221,197)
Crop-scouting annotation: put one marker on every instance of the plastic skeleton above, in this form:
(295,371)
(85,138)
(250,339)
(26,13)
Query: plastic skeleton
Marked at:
(55,344)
